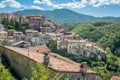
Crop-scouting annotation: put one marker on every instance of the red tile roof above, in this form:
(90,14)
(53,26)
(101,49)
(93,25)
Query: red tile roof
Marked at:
(30,31)
(37,17)
(20,42)
(115,78)
(40,48)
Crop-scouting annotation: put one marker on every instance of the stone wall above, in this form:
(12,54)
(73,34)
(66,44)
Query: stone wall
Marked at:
(79,76)
(21,64)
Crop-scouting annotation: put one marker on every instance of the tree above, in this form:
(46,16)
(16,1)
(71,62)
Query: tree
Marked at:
(5,74)
(9,27)
(40,72)
(98,78)
(52,44)
(108,51)
(5,21)
(17,26)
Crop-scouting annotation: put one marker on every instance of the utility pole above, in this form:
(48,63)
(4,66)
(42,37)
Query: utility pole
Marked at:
(28,56)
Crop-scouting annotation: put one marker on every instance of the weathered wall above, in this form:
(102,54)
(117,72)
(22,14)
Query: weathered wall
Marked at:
(79,76)
(21,64)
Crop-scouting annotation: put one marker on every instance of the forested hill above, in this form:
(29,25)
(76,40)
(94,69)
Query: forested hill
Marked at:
(106,34)
(58,15)
(64,15)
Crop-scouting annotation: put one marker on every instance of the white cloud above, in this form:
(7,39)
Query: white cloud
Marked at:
(46,2)
(71,5)
(36,7)
(77,4)
(2,5)
(10,3)
(15,4)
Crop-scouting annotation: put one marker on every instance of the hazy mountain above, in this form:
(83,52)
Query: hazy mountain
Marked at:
(64,15)
(58,15)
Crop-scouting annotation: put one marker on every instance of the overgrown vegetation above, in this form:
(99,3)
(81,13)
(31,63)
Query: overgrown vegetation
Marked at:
(40,72)
(12,24)
(106,34)
(5,74)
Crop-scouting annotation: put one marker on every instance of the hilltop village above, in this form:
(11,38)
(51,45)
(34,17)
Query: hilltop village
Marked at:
(36,37)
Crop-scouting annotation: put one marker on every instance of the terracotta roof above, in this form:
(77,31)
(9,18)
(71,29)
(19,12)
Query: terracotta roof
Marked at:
(79,41)
(3,32)
(40,48)
(88,45)
(37,17)
(18,32)
(54,34)
(20,43)
(57,62)
(115,78)
(10,37)
(30,31)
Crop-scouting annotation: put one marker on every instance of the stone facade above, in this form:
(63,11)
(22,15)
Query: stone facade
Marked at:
(3,35)
(84,48)
(9,16)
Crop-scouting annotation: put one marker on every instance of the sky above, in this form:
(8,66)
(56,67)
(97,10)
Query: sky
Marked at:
(98,8)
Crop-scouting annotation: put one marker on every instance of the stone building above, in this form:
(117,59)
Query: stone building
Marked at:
(9,16)
(18,36)
(43,38)
(36,21)
(1,27)
(15,35)
(24,20)
(36,38)
(84,48)
(32,36)
(69,35)
(25,59)
(3,34)
(76,46)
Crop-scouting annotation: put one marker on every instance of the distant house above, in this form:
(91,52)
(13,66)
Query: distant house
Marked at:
(40,48)
(10,32)
(36,21)
(14,35)
(1,27)
(22,44)
(18,36)
(9,16)
(69,35)
(84,48)
(3,34)
(32,36)
(115,78)
(24,20)
(76,46)
(54,36)
(43,38)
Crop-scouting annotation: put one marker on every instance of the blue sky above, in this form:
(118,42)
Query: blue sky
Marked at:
(90,7)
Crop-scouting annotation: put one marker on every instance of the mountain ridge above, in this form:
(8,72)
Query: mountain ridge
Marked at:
(65,15)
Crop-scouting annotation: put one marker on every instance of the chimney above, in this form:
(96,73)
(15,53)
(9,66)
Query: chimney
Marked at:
(46,58)
(83,68)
